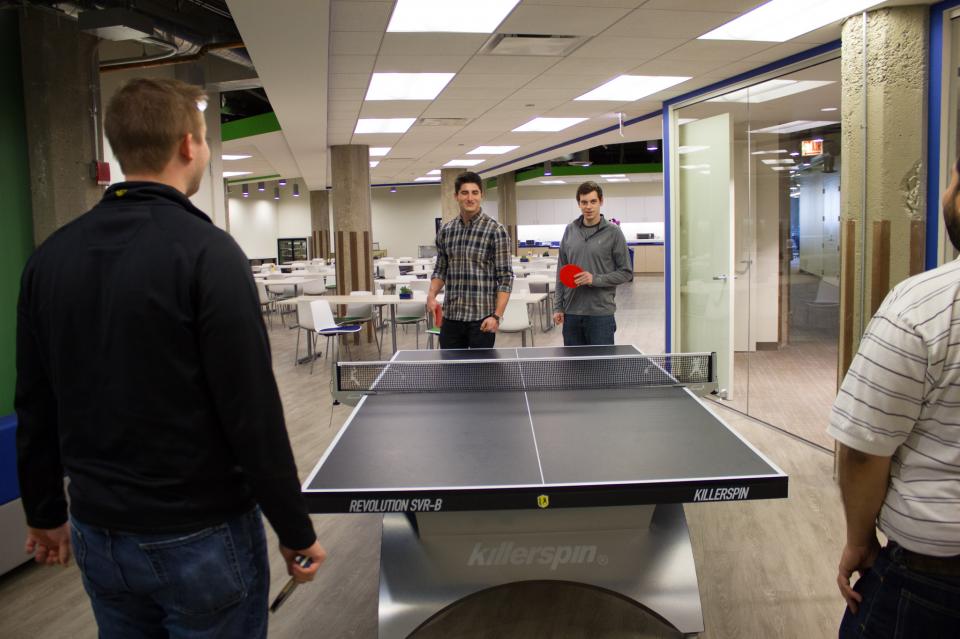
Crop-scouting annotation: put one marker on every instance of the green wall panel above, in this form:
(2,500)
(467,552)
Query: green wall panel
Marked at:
(16,219)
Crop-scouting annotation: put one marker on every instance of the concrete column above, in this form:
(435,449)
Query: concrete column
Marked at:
(351,217)
(320,223)
(883,198)
(448,194)
(507,205)
(61,94)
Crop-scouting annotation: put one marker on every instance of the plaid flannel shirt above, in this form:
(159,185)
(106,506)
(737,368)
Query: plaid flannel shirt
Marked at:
(473,260)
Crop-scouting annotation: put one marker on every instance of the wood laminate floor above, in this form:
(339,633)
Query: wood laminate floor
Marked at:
(766,568)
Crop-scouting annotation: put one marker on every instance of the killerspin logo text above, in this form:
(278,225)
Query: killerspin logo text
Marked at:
(507,553)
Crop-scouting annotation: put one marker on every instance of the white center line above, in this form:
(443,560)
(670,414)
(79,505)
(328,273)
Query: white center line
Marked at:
(526,399)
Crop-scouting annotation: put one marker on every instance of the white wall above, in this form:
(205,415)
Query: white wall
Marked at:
(404,220)
(257,221)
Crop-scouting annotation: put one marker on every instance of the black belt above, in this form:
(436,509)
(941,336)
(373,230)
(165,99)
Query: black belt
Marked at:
(944,566)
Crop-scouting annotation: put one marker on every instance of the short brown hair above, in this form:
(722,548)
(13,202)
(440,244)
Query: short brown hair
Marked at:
(148,117)
(468,177)
(589,187)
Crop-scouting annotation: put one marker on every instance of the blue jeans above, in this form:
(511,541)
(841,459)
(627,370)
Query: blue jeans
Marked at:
(588,330)
(902,604)
(209,583)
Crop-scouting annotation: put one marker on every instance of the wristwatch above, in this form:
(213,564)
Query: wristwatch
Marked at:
(496,317)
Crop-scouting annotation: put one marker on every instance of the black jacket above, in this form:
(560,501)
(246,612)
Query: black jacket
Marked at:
(144,372)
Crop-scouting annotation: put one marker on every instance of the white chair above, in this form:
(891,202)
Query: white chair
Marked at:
(325,325)
(362,314)
(266,303)
(305,323)
(541,284)
(316,286)
(516,319)
(421,286)
(391,271)
(412,312)
(520,285)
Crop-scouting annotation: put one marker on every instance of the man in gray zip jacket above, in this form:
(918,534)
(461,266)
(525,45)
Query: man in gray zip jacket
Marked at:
(599,248)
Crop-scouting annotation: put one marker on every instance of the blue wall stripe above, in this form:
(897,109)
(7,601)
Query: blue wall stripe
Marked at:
(935,69)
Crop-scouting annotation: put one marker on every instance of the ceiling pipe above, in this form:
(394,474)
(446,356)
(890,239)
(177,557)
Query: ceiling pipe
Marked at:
(157,61)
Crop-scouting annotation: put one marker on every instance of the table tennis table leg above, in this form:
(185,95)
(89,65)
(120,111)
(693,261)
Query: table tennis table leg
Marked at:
(393,326)
(424,569)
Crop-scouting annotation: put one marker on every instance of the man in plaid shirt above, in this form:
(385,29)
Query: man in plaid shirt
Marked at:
(473,266)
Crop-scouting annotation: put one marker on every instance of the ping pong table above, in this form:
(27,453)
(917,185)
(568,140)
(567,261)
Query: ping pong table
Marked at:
(558,463)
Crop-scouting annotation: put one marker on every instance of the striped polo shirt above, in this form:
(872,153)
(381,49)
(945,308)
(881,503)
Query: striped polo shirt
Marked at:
(901,398)
(473,260)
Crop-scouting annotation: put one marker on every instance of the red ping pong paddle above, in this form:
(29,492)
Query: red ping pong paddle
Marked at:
(437,315)
(567,273)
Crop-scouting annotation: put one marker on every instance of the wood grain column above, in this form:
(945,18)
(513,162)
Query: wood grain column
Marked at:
(352,225)
(320,224)
(507,205)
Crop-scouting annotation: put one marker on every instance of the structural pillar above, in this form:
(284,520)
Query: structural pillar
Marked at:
(61,94)
(320,223)
(884,71)
(449,208)
(507,206)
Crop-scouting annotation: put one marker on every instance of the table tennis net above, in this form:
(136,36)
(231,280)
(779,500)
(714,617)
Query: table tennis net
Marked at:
(564,373)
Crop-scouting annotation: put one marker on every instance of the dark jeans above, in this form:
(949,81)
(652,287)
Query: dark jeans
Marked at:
(588,330)
(901,603)
(455,334)
(210,583)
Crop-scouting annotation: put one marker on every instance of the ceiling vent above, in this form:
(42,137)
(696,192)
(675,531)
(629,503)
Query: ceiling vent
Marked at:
(443,121)
(531,44)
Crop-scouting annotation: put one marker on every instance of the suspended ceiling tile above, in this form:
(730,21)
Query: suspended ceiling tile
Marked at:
(571,20)
(481,92)
(352,63)
(778,52)
(393,108)
(420,63)
(340,110)
(821,35)
(496,64)
(456,109)
(625,4)
(608,67)
(668,24)
(677,67)
(343,94)
(432,44)
(733,6)
(582,83)
(621,47)
(484,80)
(356,15)
(349,80)
(354,42)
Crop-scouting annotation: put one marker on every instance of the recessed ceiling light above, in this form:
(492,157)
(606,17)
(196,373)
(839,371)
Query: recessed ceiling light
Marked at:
(794,153)
(492,150)
(552,182)
(769,152)
(623,179)
(795,126)
(549,124)
(427,179)
(779,161)
(782,168)
(384,125)
(434,172)
(228,174)
(464,162)
(770,90)
(828,109)
(613,175)
(235,157)
(379,151)
(627,88)
(407,86)
(451,16)
(782,20)
(374,163)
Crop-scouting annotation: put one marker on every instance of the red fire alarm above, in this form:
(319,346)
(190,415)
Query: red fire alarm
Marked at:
(100,171)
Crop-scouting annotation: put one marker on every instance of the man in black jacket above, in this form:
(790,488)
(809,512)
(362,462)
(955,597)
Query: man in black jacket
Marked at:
(144,374)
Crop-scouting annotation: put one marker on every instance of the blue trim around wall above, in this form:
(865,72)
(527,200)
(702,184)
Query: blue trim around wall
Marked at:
(935,94)
(667,229)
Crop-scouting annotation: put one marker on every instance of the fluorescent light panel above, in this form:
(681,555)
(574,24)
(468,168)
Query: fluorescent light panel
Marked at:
(613,175)
(769,152)
(552,182)
(795,126)
(492,150)
(427,179)
(228,174)
(771,90)
(374,163)
(464,162)
(384,125)
(549,124)
(627,88)
(782,20)
(434,172)
(235,157)
(623,179)
(449,16)
(379,151)
(407,86)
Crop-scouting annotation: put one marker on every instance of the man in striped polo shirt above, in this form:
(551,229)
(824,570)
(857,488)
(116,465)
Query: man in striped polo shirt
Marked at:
(473,268)
(897,422)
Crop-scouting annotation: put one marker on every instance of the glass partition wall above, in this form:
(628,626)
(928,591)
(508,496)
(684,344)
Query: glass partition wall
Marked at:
(755,205)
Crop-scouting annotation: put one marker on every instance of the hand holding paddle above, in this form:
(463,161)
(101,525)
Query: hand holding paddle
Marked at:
(573,276)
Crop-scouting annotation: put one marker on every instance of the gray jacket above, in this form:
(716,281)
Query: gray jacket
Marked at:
(602,251)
